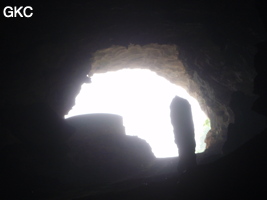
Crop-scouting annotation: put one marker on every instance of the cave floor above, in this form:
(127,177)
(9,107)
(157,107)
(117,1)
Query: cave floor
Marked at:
(156,182)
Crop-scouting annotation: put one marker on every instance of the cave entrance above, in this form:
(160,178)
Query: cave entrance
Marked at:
(143,99)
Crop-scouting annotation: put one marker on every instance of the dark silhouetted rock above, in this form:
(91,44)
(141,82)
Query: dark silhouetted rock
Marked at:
(100,123)
(182,121)
(100,150)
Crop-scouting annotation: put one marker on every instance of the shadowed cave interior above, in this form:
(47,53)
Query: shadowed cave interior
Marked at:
(215,50)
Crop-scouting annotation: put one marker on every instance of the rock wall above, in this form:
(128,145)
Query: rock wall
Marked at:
(100,123)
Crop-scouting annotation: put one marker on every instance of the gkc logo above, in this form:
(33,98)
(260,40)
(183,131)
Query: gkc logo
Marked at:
(20,11)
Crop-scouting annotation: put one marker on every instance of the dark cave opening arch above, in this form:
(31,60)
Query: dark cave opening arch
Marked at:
(164,61)
(143,99)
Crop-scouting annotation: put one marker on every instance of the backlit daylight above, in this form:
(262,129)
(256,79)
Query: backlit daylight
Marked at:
(143,99)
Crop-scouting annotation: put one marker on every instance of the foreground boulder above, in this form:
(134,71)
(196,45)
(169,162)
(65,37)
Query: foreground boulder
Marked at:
(100,149)
(40,151)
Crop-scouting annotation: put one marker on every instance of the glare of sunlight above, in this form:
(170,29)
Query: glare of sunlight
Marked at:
(143,99)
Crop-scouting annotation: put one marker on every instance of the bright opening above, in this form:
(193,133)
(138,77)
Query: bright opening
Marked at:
(143,99)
